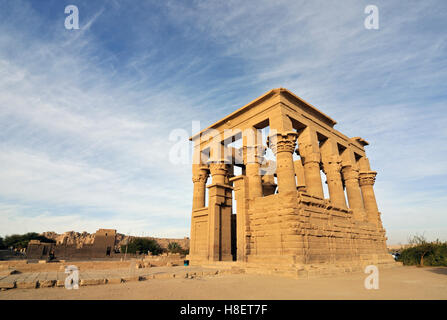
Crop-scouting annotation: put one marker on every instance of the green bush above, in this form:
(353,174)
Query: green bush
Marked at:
(2,245)
(174,247)
(18,241)
(424,253)
(142,245)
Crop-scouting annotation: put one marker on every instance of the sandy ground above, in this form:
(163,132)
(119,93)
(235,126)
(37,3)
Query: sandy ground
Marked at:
(396,283)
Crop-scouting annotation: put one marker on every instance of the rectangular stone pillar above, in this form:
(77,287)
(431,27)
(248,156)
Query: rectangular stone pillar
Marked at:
(220,210)
(242,223)
(299,173)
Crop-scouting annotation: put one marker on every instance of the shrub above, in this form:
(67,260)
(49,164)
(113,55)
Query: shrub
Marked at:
(2,245)
(142,245)
(424,253)
(174,247)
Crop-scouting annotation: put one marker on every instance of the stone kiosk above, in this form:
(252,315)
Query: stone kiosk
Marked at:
(281,220)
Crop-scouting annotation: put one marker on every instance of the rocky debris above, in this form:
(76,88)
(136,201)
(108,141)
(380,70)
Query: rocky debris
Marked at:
(47,283)
(7,285)
(26,285)
(92,282)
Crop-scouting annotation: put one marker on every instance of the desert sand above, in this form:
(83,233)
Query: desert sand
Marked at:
(395,283)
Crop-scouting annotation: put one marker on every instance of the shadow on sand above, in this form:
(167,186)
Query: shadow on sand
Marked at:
(438,270)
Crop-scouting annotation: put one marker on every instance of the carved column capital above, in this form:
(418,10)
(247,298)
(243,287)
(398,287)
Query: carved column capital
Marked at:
(218,168)
(332,166)
(201,177)
(282,142)
(367,178)
(350,172)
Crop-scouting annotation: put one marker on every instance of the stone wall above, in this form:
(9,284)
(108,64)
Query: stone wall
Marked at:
(310,231)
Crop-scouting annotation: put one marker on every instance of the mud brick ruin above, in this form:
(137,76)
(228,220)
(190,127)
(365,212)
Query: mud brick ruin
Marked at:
(105,243)
(102,246)
(281,217)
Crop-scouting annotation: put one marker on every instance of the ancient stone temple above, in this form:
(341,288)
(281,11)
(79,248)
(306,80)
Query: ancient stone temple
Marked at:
(274,213)
(99,245)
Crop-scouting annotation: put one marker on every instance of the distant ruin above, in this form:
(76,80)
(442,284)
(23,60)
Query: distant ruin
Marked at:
(103,243)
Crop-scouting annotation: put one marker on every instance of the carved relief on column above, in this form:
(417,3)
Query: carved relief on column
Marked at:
(283,145)
(351,178)
(366,181)
(332,169)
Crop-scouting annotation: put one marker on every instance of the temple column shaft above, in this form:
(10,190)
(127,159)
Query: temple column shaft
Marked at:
(332,167)
(367,178)
(351,178)
(310,154)
(283,146)
(254,180)
(253,153)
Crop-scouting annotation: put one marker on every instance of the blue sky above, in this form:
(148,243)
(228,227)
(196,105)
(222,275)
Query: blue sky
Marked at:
(86,114)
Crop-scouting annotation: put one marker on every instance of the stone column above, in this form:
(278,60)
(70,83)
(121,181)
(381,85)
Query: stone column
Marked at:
(367,179)
(332,167)
(253,160)
(309,152)
(283,146)
(200,176)
(351,178)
